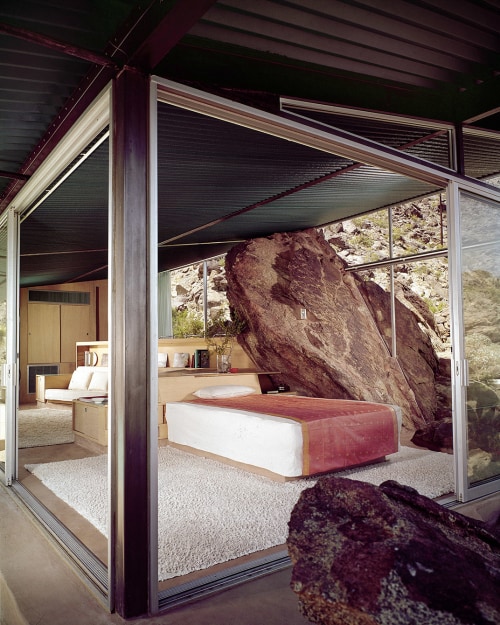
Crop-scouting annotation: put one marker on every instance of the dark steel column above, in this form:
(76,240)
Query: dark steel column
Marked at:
(133,572)
(459,149)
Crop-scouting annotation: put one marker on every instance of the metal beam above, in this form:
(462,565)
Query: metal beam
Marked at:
(174,25)
(60,46)
(133,547)
(148,36)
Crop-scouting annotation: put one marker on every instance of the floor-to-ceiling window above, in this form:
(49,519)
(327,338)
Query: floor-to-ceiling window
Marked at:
(8,343)
(3,334)
(45,434)
(477,229)
(399,267)
(180,163)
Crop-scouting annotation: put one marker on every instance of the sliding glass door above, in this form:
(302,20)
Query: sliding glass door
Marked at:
(477,358)
(3,337)
(8,343)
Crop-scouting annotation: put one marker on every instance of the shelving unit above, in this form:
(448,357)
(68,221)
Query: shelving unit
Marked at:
(99,348)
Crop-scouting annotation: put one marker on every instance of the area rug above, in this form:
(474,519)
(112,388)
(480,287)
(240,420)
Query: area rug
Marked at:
(211,513)
(45,426)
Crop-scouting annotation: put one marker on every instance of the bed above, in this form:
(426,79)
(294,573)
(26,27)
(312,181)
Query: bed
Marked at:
(281,436)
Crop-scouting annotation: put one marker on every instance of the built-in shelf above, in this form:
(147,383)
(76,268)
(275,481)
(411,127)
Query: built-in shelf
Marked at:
(98,349)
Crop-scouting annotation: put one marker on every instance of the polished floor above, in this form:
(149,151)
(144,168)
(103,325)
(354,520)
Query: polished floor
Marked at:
(39,587)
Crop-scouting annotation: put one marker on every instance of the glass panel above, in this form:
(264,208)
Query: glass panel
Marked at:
(187,301)
(3,335)
(55,435)
(364,239)
(419,139)
(188,295)
(419,226)
(428,279)
(481,300)
(482,156)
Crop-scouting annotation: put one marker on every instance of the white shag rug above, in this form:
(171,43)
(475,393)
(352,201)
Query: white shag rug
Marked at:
(209,513)
(45,426)
(39,427)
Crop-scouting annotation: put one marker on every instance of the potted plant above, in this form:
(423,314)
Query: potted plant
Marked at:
(220,335)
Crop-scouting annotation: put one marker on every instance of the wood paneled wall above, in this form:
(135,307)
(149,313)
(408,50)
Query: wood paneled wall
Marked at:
(49,332)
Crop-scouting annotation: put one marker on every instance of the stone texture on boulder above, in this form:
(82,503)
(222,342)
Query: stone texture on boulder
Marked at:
(415,351)
(338,351)
(437,436)
(368,555)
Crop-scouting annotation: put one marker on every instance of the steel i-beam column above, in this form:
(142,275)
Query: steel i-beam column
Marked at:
(133,552)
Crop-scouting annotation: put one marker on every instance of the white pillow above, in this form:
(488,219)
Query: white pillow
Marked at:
(224,390)
(99,381)
(180,359)
(80,379)
(162,359)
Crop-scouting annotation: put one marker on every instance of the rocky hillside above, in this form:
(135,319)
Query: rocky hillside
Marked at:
(422,285)
(360,240)
(415,229)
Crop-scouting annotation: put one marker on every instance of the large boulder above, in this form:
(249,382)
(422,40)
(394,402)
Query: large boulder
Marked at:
(368,555)
(338,350)
(414,348)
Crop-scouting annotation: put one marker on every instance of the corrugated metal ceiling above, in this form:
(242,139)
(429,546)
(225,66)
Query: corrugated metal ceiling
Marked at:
(439,61)
(419,44)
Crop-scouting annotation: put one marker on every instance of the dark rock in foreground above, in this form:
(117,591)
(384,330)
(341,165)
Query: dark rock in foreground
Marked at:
(368,555)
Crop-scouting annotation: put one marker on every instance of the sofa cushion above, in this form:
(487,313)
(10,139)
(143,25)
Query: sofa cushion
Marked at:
(67,396)
(99,381)
(80,378)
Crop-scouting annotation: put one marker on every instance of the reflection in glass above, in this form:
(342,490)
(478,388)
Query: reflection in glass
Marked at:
(3,335)
(482,155)
(481,311)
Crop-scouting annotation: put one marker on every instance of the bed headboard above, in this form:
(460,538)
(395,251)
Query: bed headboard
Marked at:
(177,386)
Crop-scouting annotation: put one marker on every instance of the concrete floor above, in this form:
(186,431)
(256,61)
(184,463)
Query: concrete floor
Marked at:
(39,587)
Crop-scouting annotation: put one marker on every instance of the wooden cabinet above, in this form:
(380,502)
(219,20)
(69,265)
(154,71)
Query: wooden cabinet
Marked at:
(90,424)
(53,330)
(44,335)
(51,321)
(75,326)
(90,421)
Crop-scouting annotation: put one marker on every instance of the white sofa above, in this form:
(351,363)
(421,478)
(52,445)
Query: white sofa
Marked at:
(63,388)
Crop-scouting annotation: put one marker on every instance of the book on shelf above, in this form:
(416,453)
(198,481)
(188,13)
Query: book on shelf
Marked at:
(201,359)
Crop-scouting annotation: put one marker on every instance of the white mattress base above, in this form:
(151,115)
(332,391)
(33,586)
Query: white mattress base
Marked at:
(265,441)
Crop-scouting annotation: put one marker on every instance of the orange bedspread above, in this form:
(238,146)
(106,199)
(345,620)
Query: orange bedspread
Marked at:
(337,433)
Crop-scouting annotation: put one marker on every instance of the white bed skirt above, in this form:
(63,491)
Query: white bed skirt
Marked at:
(272,443)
